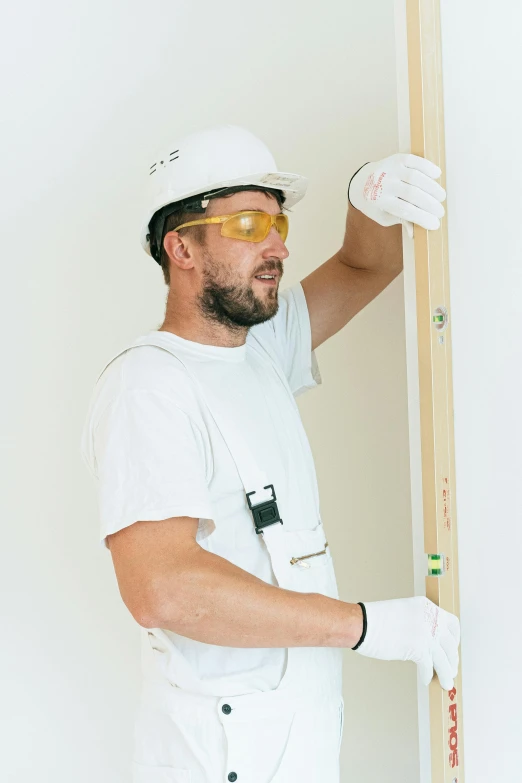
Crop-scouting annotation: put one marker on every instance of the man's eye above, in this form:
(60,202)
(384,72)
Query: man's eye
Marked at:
(247,225)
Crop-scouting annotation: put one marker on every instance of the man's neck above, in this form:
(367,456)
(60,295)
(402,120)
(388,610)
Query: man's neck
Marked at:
(195,327)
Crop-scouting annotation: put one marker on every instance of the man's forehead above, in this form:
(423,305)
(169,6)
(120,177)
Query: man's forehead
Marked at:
(245,199)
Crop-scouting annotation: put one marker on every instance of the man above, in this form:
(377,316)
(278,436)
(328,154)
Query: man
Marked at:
(208,495)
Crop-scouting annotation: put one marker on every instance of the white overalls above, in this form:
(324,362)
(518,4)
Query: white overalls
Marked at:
(183,734)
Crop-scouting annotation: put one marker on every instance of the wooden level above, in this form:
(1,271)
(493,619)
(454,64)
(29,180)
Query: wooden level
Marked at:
(431,410)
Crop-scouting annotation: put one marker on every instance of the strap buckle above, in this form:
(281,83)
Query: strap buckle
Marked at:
(265,513)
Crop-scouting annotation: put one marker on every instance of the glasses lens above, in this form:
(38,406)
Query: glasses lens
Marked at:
(282,226)
(251,226)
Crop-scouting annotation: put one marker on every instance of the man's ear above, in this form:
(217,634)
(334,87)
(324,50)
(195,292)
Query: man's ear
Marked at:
(178,250)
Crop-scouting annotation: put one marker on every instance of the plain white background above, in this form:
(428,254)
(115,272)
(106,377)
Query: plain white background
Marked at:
(482,70)
(90,91)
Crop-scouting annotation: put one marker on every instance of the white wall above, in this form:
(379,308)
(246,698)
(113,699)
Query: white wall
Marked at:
(482,70)
(91,91)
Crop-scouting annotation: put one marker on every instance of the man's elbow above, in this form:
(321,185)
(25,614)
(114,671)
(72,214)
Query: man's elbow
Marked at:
(147,619)
(158,605)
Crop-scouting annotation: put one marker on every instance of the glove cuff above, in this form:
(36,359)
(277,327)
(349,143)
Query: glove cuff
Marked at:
(350,182)
(365,620)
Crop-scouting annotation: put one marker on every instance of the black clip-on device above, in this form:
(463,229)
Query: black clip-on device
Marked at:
(265,513)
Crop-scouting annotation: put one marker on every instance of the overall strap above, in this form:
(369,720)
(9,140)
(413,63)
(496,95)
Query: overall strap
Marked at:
(260,493)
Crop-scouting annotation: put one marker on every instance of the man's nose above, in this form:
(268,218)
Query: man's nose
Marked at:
(274,245)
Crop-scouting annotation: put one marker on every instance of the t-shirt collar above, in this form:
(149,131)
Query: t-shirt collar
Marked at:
(200,350)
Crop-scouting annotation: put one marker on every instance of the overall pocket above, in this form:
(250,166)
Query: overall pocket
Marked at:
(309,561)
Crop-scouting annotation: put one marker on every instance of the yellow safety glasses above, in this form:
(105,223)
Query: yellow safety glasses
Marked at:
(248,225)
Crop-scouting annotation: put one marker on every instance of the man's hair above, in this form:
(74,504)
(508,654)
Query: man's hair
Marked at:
(198,232)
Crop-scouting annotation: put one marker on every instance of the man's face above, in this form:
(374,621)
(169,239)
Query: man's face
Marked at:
(232,291)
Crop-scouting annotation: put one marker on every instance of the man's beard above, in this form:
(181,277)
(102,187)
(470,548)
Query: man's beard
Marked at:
(234,304)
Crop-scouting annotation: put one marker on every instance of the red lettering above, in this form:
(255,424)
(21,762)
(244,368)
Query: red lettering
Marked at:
(453,740)
(454,759)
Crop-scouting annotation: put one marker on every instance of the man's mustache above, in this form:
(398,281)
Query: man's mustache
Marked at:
(269,267)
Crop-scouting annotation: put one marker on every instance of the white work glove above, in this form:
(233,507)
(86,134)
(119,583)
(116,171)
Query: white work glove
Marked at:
(399,189)
(413,629)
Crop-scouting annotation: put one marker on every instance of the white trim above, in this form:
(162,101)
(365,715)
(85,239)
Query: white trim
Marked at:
(412,371)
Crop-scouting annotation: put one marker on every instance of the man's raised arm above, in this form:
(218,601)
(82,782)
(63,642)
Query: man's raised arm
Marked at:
(383,195)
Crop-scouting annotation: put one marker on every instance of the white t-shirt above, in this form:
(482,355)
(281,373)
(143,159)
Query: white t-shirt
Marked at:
(156,452)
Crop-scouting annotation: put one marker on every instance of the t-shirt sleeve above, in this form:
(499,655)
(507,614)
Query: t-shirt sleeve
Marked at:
(293,337)
(150,463)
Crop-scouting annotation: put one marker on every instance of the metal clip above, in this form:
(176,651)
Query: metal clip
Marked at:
(298,560)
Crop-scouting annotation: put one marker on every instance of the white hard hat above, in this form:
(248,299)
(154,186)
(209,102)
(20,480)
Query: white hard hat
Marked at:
(222,157)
